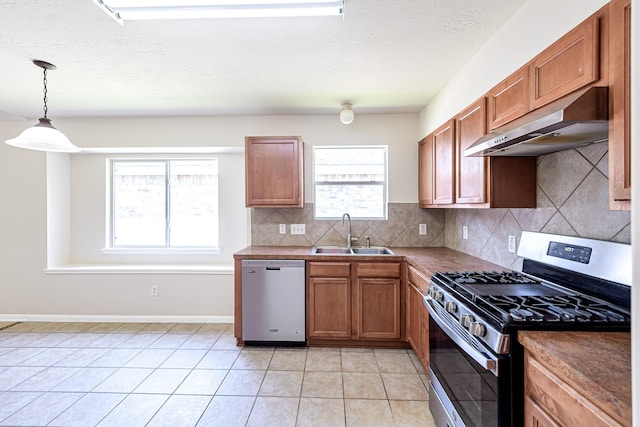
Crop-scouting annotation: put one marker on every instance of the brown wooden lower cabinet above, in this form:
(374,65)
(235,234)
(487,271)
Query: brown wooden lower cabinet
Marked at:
(329,307)
(358,301)
(378,308)
(417,316)
(551,401)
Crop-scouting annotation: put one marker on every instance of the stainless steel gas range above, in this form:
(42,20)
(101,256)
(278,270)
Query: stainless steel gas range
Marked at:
(476,364)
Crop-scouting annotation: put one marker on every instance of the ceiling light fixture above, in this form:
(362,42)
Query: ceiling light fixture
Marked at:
(346,115)
(125,10)
(43,136)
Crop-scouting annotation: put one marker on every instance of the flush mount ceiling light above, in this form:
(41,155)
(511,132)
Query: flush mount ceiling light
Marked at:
(125,10)
(346,115)
(43,136)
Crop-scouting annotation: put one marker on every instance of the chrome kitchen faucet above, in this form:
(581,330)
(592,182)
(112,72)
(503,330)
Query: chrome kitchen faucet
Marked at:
(350,239)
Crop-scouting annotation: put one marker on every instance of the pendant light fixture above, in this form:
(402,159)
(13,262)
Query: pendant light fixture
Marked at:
(43,136)
(346,115)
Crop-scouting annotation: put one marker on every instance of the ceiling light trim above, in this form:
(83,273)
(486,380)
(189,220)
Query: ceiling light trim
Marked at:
(220,9)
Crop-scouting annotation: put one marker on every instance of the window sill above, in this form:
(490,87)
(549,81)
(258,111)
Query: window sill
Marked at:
(218,269)
(160,251)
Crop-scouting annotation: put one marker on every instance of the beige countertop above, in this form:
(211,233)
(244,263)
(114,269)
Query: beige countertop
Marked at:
(597,364)
(426,260)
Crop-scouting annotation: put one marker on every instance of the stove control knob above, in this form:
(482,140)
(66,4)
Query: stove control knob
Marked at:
(477,329)
(431,291)
(451,307)
(438,296)
(466,320)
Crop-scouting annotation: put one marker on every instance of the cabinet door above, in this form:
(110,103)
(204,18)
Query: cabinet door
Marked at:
(620,95)
(569,64)
(470,171)
(378,309)
(534,416)
(509,99)
(329,307)
(443,164)
(425,172)
(274,171)
(424,340)
(414,319)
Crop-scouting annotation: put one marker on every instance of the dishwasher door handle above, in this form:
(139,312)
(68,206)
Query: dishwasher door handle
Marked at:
(273,268)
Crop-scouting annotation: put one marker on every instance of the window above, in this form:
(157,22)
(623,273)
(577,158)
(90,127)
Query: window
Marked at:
(350,179)
(164,203)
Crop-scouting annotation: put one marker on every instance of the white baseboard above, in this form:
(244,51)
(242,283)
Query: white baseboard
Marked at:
(113,319)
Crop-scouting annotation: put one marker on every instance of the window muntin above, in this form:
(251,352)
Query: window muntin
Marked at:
(350,179)
(164,203)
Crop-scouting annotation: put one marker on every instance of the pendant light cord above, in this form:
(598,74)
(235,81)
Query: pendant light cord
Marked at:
(45,92)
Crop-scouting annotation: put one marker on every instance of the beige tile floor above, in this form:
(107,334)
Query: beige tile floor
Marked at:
(160,374)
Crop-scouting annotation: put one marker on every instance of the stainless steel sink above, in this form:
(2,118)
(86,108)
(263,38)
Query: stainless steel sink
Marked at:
(336,250)
(376,250)
(342,250)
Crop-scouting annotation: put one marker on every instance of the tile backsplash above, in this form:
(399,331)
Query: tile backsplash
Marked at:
(572,199)
(401,228)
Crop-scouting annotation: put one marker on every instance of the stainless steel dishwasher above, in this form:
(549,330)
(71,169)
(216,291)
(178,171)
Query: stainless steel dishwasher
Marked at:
(273,302)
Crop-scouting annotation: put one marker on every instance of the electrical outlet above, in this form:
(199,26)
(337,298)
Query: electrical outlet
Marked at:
(283,228)
(155,290)
(297,229)
(465,232)
(422,229)
(512,244)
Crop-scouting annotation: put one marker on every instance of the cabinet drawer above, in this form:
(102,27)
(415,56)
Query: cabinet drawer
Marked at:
(379,269)
(418,279)
(329,269)
(559,400)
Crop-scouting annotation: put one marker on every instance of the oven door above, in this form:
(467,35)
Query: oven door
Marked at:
(470,386)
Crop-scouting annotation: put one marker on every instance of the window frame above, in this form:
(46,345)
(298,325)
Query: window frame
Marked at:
(110,246)
(384,184)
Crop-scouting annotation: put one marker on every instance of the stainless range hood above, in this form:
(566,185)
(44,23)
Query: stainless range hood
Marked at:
(573,121)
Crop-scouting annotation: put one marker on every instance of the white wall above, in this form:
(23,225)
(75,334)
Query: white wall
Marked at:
(534,27)
(26,291)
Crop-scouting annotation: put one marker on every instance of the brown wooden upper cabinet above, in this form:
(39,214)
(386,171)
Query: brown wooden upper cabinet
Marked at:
(471,174)
(509,99)
(567,65)
(443,164)
(449,179)
(274,171)
(425,168)
(620,104)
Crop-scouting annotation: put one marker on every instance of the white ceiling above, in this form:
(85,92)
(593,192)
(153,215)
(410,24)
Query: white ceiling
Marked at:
(384,56)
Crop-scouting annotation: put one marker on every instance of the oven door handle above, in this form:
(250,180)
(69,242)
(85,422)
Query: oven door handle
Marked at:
(486,361)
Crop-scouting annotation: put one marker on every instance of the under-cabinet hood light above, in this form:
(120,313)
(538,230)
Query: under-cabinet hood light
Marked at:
(122,10)
(43,136)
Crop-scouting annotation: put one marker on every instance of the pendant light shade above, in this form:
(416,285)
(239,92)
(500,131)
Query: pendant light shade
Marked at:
(346,115)
(43,136)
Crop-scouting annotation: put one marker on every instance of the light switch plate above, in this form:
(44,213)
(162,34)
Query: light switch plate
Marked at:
(297,229)
(283,228)
(512,244)
(422,229)
(465,232)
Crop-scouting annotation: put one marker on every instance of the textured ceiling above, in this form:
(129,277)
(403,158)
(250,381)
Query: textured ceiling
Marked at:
(383,56)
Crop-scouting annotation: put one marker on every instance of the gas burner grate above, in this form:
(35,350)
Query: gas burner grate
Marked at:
(551,308)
